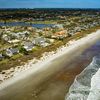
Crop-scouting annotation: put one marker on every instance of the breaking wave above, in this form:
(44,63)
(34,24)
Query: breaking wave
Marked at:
(82,89)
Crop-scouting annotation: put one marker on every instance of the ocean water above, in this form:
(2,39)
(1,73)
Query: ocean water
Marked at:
(95,87)
(81,88)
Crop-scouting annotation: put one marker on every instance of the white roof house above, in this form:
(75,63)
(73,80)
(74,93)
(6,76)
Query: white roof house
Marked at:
(28,46)
(39,40)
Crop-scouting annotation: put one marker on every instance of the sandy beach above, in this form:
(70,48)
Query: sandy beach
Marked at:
(46,66)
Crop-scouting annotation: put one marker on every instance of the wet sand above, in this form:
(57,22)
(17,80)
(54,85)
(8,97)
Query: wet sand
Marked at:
(56,81)
(57,87)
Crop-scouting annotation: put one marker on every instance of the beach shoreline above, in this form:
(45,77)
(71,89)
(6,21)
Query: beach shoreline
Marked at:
(31,67)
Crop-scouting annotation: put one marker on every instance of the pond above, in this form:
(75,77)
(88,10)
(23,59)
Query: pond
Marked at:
(26,24)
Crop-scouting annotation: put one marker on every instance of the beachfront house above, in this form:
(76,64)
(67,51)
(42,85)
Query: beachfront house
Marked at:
(11,51)
(28,46)
(40,41)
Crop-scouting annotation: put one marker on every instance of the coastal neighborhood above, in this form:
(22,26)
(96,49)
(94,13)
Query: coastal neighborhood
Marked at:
(19,39)
(49,49)
(21,42)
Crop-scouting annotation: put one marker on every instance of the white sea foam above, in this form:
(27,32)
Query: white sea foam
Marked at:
(95,87)
(83,87)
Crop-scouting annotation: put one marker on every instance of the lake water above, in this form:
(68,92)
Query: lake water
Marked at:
(25,24)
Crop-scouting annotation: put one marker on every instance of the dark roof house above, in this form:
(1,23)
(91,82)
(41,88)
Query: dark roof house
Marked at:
(11,51)
(1,56)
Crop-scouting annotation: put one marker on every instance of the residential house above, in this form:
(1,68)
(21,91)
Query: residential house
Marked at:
(1,57)
(58,26)
(14,41)
(77,29)
(28,46)
(60,34)
(20,34)
(6,37)
(11,51)
(40,41)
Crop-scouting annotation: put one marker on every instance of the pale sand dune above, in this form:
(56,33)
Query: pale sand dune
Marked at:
(46,61)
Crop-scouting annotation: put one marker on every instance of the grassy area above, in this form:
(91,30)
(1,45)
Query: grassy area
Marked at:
(5,61)
(17,56)
(38,51)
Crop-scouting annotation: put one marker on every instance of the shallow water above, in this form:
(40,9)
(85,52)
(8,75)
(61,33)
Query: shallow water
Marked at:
(80,89)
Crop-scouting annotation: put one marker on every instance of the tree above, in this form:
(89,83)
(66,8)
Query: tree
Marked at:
(23,51)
